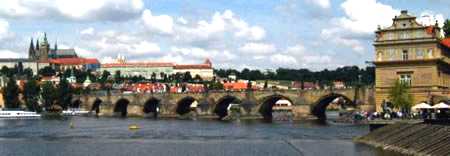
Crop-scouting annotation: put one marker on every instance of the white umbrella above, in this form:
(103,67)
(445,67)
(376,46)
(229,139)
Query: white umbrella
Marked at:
(285,102)
(194,104)
(441,105)
(422,106)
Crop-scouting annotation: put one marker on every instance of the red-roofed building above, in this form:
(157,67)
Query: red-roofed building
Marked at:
(158,69)
(78,63)
(205,70)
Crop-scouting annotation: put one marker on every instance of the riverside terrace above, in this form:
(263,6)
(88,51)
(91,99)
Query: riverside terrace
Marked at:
(252,103)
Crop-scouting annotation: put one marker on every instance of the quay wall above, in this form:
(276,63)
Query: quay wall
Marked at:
(410,139)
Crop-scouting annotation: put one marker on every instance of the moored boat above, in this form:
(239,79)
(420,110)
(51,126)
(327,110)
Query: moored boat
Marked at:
(18,114)
(74,112)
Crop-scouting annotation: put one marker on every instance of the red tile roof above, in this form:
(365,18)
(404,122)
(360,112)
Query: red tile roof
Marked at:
(74,61)
(430,30)
(192,66)
(150,64)
(235,86)
(446,42)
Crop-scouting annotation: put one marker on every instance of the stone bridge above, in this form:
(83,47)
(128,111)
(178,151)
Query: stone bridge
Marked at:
(214,104)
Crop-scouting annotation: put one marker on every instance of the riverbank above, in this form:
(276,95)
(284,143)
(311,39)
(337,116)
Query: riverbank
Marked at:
(410,139)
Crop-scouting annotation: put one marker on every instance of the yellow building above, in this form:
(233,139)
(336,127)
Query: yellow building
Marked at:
(414,54)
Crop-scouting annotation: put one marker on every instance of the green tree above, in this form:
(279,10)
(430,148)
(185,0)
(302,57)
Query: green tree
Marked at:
(104,77)
(11,94)
(48,94)
(153,77)
(28,73)
(400,96)
(187,77)
(4,71)
(198,78)
(47,71)
(446,28)
(117,77)
(31,95)
(65,93)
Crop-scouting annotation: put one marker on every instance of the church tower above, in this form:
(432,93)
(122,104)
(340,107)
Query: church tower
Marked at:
(31,51)
(44,49)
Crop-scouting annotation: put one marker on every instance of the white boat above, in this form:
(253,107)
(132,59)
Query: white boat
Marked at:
(74,112)
(18,114)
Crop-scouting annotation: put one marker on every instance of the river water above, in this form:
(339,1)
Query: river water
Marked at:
(111,137)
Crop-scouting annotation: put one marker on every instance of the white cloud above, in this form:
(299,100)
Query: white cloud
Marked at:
(357,26)
(199,54)
(257,48)
(307,57)
(4,30)
(342,37)
(10,54)
(77,10)
(430,18)
(285,60)
(182,20)
(87,31)
(363,16)
(161,23)
(325,4)
(144,47)
(110,43)
(205,31)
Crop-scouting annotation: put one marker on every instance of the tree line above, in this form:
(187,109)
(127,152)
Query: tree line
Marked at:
(349,75)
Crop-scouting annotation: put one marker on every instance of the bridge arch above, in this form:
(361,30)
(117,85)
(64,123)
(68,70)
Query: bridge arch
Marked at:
(184,105)
(96,105)
(322,103)
(121,107)
(222,104)
(152,106)
(267,104)
(76,103)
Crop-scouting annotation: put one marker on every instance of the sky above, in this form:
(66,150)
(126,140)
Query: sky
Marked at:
(256,34)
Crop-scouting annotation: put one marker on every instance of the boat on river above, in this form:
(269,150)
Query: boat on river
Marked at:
(18,114)
(74,112)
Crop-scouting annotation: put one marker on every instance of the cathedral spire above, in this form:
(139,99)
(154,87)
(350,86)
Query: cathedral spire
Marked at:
(31,52)
(56,45)
(45,37)
(37,44)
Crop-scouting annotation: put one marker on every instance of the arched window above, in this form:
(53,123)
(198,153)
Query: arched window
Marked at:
(405,55)
(430,53)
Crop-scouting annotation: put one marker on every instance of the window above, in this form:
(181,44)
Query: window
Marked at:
(419,53)
(390,36)
(406,79)
(391,54)
(405,55)
(404,35)
(419,34)
(430,53)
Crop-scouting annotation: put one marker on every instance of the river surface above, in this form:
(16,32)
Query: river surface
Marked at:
(111,137)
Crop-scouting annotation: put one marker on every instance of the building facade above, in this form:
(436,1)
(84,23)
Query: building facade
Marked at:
(411,53)
(147,69)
